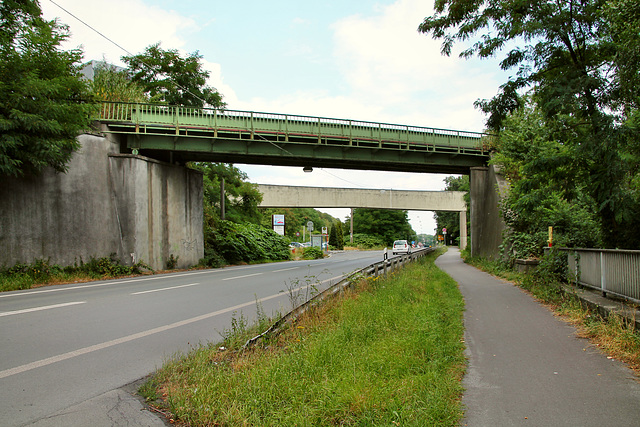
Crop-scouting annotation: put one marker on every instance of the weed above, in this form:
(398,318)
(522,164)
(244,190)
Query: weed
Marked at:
(172,262)
(25,276)
(387,352)
(301,291)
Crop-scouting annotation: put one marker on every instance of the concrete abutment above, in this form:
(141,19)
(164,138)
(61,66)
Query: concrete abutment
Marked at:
(138,208)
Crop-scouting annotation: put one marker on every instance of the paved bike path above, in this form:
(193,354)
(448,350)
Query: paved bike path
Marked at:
(528,368)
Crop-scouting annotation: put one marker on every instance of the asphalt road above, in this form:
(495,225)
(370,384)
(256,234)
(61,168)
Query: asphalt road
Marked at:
(529,368)
(65,349)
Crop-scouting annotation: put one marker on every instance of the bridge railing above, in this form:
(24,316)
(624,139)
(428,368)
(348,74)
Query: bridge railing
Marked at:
(148,117)
(615,272)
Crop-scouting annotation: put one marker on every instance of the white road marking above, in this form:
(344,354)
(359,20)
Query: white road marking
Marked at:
(165,289)
(242,277)
(54,359)
(46,307)
(143,334)
(97,285)
(285,269)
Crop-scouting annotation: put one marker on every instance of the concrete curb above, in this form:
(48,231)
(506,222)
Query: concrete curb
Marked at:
(595,302)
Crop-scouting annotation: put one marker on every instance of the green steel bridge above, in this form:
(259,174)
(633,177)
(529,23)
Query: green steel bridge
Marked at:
(182,134)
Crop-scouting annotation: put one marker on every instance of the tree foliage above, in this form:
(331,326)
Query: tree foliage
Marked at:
(336,236)
(387,224)
(451,220)
(114,85)
(543,190)
(241,197)
(295,219)
(578,61)
(43,100)
(234,243)
(169,78)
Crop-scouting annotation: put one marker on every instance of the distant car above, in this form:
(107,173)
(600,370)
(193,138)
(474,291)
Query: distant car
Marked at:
(401,247)
(295,245)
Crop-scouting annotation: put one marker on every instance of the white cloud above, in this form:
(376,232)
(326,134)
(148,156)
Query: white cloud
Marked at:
(131,24)
(386,72)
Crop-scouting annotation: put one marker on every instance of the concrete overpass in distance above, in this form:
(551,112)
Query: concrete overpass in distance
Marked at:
(284,196)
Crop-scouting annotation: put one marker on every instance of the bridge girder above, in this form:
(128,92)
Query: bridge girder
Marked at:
(208,149)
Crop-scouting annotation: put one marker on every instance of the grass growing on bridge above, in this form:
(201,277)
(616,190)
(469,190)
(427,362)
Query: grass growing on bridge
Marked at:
(390,352)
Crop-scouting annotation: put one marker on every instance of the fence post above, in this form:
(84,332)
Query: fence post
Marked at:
(603,278)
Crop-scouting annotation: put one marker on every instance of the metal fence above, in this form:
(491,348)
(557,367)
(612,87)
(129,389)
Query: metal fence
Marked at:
(615,272)
(145,116)
(377,269)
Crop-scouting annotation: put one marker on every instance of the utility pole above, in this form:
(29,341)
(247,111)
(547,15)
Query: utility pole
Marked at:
(351,228)
(222,199)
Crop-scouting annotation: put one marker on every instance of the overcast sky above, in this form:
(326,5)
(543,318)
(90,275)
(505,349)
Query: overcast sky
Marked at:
(355,59)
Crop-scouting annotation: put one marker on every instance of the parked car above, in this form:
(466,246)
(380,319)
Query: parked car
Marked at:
(401,247)
(294,245)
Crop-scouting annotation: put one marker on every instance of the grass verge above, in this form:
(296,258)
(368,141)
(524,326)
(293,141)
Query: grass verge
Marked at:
(41,272)
(613,335)
(388,352)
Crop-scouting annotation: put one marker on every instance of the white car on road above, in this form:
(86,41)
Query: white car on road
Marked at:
(401,247)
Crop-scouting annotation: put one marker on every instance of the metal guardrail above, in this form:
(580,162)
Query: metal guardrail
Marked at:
(155,118)
(615,272)
(377,269)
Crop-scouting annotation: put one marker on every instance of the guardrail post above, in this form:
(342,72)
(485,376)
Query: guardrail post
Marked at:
(252,130)
(603,276)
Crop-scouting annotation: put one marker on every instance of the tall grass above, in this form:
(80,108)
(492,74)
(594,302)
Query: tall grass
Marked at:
(41,272)
(389,352)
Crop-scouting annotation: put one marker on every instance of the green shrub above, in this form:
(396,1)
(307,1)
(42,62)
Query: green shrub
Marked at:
(240,243)
(367,241)
(312,253)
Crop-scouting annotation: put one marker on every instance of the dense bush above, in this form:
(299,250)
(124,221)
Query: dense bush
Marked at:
(24,276)
(367,241)
(232,243)
(312,253)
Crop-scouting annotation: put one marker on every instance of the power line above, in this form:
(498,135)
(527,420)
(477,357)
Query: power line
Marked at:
(92,29)
(123,49)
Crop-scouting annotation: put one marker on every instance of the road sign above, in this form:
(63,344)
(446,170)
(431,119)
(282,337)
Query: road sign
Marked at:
(324,230)
(310,226)
(444,231)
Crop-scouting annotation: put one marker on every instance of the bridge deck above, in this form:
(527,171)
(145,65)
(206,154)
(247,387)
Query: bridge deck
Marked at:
(210,134)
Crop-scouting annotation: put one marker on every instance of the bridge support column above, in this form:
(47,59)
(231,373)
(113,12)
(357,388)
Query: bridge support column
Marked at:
(463,229)
(487,187)
(477,186)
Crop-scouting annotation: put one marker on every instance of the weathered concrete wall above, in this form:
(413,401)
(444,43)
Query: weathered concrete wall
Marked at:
(487,187)
(106,203)
(160,210)
(275,196)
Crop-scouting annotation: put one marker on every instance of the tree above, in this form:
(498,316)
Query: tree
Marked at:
(242,198)
(295,219)
(543,192)
(578,60)
(44,103)
(451,220)
(168,78)
(336,237)
(114,85)
(388,224)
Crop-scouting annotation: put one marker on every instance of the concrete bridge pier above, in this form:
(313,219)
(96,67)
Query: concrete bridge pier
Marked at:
(107,203)
(487,187)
